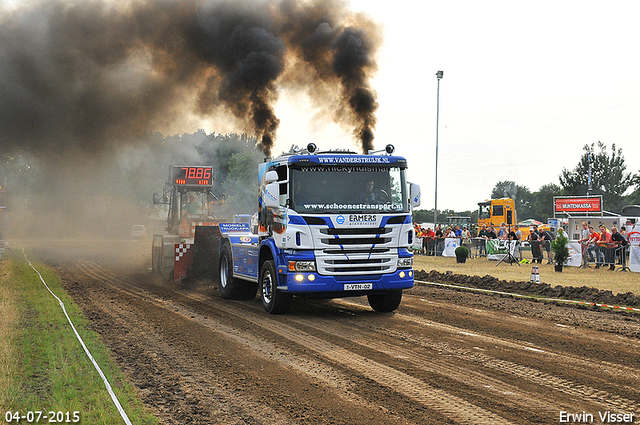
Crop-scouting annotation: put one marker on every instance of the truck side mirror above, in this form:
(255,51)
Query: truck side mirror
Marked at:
(271,177)
(271,195)
(414,195)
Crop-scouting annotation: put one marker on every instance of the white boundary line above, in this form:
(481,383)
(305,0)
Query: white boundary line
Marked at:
(527,296)
(86,350)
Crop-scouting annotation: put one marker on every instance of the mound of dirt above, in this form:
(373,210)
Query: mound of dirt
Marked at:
(583,293)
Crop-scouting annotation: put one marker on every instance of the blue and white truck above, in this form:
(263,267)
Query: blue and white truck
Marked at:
(329,225)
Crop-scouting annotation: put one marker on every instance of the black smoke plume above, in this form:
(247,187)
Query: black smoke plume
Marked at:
(87,77)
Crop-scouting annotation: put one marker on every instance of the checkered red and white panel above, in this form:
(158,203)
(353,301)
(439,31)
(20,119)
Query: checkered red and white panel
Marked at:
(181,250)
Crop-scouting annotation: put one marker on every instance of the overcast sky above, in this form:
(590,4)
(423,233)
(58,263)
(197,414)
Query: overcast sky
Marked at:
(526,85)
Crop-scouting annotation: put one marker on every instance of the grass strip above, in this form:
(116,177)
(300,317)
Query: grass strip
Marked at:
(43,366)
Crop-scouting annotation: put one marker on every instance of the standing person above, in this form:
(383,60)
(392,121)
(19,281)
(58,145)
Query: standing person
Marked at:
(623,232)
(545,240)
(484,235)
(492,233)
(605,252)
(502,233)
(465,235)
(430,237)
(439,241)
(459,233)
(518,232)
(594,248)
(518,238)
(621,244)
(535,230)
(419,234)
(535,246)
(513,246)
(628,227)
(585,234)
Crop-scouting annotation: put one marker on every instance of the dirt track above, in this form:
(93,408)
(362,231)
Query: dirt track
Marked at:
(443,357)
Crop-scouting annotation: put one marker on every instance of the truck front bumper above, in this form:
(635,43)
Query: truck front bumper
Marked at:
(312,282)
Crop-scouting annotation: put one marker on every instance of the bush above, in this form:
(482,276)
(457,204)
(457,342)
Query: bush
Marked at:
(560,248)
(462,251)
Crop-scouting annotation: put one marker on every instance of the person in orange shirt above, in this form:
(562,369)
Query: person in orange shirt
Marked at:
(430,237)
(593,249)
(606,245)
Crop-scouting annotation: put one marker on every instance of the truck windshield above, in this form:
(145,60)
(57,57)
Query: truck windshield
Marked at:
(484,211)
(348,189)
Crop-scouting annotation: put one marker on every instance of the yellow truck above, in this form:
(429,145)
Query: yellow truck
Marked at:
(496,212)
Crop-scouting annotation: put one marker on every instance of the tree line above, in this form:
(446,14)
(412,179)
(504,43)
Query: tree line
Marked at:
(600,171)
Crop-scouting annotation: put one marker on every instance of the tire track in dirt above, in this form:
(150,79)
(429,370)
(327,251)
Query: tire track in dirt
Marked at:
(580,391)
(465,377)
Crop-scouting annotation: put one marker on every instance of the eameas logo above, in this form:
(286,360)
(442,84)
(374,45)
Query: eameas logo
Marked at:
(363,218)
(357,219)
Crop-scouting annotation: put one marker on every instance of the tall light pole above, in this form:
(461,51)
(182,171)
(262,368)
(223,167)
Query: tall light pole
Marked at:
(435,208)
(589,174)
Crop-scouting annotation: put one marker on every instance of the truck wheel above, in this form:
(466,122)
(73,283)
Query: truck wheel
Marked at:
(274,301)
(230,287)
(388,301)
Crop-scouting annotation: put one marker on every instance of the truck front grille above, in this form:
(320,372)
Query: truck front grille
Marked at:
(356,241)
(361,265)
(349,263)
(356,250)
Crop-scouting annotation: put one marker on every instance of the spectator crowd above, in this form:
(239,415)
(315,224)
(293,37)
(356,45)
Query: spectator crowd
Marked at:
(603,246)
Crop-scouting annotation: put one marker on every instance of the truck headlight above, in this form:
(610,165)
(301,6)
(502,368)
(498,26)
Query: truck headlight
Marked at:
(405,262)
(302,266)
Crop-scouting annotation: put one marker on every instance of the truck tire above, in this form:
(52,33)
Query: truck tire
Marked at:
(274,301)
(389,301)
(230,287)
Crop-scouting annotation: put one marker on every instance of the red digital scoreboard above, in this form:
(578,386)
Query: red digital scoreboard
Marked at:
(190,175)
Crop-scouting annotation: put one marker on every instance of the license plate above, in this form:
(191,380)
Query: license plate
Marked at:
(358,286)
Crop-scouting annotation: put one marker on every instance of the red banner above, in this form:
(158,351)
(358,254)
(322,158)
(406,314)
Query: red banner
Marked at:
(583,204)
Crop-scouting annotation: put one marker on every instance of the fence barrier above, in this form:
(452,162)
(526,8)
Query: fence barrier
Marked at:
(620,258)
